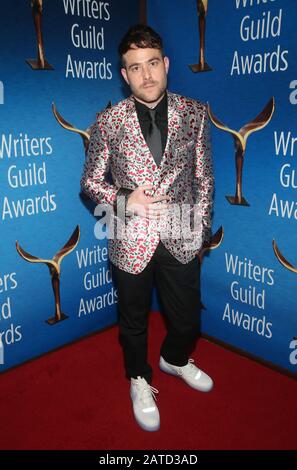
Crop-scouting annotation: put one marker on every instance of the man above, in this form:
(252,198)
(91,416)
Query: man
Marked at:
(156,146)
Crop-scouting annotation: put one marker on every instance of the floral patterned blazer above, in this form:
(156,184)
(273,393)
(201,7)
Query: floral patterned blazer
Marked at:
(117,146)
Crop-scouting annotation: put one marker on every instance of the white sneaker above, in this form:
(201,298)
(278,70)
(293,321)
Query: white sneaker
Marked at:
(193,376)
(145,409)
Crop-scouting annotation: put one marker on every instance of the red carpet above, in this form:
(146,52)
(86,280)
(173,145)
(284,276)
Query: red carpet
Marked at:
(77,398)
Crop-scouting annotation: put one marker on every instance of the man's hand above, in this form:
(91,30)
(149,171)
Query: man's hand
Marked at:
(139,203)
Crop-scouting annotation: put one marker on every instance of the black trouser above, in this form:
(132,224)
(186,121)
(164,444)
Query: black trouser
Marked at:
(178,287)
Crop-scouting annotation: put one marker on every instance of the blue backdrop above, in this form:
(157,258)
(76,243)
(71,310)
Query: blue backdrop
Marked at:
(43,214)
(250,45)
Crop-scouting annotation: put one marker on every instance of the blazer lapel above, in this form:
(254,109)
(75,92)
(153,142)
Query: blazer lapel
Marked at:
(174,123)
(135,139)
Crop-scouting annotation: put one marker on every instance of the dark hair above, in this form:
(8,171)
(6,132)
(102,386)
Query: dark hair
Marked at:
(142,36)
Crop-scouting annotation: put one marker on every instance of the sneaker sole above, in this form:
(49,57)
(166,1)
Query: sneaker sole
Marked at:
(145,428)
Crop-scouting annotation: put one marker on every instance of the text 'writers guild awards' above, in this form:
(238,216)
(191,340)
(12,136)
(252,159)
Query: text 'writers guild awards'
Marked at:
(202,66)
(40,63)
(54,266)
(283,261)
(1,351)
(240,141)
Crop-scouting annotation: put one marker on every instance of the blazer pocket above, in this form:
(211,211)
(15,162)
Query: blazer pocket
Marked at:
(184,148)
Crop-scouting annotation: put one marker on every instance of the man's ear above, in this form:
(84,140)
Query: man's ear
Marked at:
(166,63)
(124,74)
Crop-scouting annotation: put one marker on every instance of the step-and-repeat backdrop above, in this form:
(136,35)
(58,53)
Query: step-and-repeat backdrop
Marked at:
(240,56)
(58,68)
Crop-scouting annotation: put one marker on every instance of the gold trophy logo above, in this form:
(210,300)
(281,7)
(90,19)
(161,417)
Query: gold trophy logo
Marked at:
(240,141)
(202,12)
(283,261)
(143,11)
(214,243)
(40,63)
(54,266)
(85,134)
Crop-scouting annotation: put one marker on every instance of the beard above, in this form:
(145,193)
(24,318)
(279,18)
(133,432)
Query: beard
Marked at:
(150,95)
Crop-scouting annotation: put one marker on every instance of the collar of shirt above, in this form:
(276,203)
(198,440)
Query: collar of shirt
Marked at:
(161,118)
(161,109)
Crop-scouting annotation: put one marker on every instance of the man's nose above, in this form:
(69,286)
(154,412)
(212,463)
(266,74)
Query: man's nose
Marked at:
(146,72)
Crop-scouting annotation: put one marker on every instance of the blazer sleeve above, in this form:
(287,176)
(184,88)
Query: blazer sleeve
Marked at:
(204,175)
(94,179)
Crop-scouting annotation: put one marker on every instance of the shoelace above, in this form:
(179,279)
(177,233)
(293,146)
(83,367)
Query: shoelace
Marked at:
(191,368)
(147,391)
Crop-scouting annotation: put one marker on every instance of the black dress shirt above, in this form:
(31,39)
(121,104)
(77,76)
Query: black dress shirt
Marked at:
(161,118)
